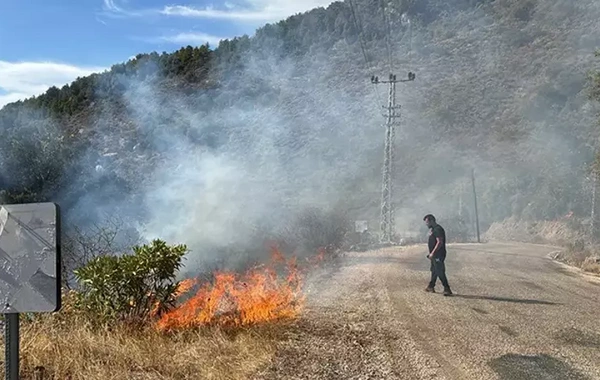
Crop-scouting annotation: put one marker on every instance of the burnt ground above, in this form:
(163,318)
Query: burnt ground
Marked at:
(515,315)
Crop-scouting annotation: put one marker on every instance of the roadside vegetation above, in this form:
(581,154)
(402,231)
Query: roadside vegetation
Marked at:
(132,315)
(141,314)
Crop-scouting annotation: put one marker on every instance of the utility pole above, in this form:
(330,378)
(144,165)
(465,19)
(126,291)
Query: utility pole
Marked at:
(594,174)
(460,198)
(387,207)
(475,202)
(593,214)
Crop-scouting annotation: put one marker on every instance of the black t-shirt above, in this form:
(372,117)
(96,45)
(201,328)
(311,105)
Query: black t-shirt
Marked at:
(434,233)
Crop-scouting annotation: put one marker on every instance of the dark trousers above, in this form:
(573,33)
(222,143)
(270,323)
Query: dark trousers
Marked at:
(438,270)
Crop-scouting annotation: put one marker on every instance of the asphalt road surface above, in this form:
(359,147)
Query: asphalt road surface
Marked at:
(515,314)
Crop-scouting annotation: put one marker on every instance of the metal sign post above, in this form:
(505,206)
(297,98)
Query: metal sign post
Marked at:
(29,269)
(11,346)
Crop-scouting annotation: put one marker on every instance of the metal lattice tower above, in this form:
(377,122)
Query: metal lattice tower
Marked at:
(392,116)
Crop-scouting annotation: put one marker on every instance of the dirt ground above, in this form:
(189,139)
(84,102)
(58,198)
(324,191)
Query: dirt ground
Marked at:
(516,314)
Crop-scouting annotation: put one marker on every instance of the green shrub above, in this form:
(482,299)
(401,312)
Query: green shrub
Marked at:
(131,287)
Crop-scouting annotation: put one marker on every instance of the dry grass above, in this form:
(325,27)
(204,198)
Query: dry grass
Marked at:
(591,265)
(74,351)
(67,346)
(584,258)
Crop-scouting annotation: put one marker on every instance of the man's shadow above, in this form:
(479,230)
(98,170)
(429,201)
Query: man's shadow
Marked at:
(505,299)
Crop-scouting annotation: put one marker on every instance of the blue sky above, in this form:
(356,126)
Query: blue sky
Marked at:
(52,42)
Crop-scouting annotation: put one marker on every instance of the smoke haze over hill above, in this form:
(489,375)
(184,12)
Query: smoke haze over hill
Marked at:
(217,149)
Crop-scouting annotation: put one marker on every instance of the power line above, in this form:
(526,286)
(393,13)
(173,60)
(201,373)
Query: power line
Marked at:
(388,35)
(410,41)
(363,45)
(404,19)
(387,205)
(393,117)
(360,34)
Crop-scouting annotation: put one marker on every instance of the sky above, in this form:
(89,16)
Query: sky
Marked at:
(47,43)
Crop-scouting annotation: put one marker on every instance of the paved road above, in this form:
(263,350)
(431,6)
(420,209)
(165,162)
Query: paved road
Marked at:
(516,315)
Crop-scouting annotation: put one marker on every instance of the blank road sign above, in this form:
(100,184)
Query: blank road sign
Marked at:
(29,258)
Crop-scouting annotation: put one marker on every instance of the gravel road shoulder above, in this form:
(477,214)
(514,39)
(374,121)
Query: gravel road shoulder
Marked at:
(516,315)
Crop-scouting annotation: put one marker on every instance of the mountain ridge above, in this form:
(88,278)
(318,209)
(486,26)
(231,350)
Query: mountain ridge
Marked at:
(291,115)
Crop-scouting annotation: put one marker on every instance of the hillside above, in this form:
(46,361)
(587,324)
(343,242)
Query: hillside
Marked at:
(214,146)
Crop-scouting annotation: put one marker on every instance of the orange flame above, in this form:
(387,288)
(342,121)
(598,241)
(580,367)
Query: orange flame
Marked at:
(260,295)
(185,286)
(182,288)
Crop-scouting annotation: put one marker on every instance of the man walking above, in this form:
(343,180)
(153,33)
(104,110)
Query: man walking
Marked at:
(437,255)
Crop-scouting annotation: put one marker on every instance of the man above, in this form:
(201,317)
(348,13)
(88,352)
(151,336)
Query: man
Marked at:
(437,255)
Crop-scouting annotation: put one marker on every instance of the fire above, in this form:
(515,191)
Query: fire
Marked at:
(259,295)
(185,286)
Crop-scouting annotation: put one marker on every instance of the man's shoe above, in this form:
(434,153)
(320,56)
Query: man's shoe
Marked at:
(429,289)
(447,292)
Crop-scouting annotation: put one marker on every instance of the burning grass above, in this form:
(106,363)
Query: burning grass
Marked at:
(260,295)
(208,332)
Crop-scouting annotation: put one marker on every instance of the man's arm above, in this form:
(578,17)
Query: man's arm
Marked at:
(438,243)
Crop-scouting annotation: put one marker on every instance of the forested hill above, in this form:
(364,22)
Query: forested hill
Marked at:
(204,145)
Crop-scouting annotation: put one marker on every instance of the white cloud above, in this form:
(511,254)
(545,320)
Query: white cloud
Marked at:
(21,80)
(183,38)
(112,6)
(248,11)
(192,38)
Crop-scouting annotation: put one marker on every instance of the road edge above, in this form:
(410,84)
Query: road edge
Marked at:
(552,256)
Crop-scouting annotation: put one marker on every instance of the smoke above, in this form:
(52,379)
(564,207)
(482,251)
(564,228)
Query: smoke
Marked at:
(296,132)
(273,159)
(496,91)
